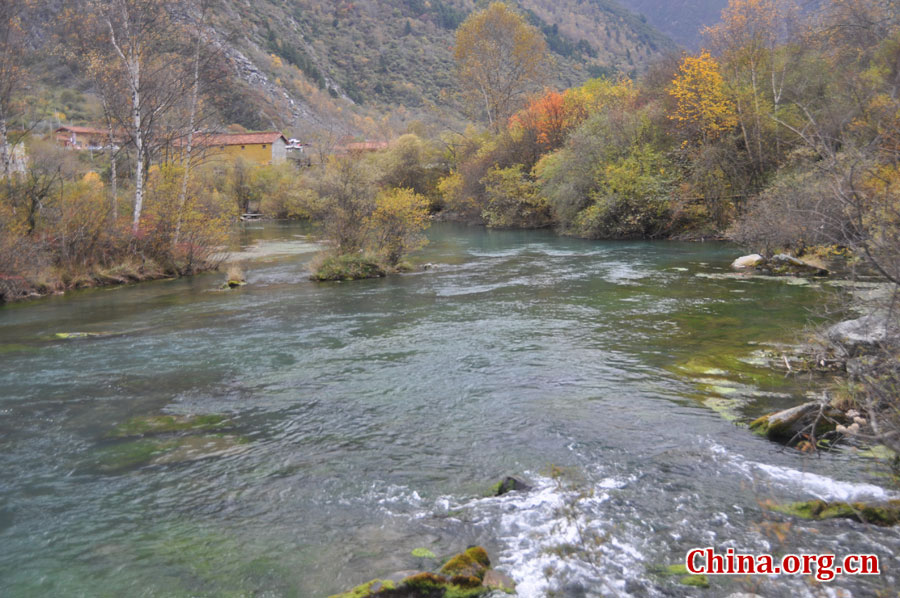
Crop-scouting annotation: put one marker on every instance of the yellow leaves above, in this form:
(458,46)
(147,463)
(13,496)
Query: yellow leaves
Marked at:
(699,91)
(92,178)
(499,57)
(397,224)
(275,61)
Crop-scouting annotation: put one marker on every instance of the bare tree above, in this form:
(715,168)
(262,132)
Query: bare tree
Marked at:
(12,74)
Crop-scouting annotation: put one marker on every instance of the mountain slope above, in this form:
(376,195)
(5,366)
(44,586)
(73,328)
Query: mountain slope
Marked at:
(682,20)
(308,63)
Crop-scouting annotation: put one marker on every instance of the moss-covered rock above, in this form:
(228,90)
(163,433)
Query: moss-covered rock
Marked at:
(884,514)
(786,425)
(348,267)
(150,425)
(507,485)
(461,577)
(124,456)
(376,587)
(474,562)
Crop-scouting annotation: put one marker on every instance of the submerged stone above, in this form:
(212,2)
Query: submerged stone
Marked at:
(509,484)
(463,576)
(167,450)
(884,514)
(149,425)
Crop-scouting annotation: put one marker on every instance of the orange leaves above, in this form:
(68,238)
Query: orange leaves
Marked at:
(703,108)
(551,116)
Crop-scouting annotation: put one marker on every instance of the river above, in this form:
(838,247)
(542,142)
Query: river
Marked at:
(359,421)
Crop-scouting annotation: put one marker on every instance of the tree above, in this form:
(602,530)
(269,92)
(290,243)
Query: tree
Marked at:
(702,106)
(500,58)
(397,224)
(141,39)
(12,73)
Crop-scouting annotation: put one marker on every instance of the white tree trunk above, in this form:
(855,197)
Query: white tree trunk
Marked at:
(5,152)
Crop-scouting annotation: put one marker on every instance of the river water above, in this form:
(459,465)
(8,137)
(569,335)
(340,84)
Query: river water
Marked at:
(363,420)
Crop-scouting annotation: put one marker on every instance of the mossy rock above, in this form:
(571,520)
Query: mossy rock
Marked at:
(233,284)
(461,577)
(150,425)
(697,581)
(474,562)
(685,577)
(78,335)
(423,553)
(507,485)
(376,587)
(783,426)
(129,455)
(348,267)
(884,515)
(167,451)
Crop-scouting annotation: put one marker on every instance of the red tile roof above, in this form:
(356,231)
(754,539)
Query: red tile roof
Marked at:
(81,130)
(238,138)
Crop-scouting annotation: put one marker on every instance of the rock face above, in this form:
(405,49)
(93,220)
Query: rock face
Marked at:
(854,335)
(748,261)
(465,575)
(784,426)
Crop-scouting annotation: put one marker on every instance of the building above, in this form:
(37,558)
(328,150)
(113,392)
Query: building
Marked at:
(84,138)
(269,147)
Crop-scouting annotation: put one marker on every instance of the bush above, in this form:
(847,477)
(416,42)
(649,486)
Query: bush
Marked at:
(346,267)
(513,200)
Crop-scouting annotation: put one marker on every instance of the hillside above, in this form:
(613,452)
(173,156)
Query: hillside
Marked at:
(377,63)
(681,20)
(368,67)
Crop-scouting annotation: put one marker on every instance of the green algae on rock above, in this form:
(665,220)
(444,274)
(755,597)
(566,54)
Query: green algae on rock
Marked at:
(148,425)
(786,425)
(885,514)
(464,575)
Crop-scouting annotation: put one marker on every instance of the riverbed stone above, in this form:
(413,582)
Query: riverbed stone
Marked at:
(498,580)
(463,576)
(861,333)
(509,484)
(884,514)
(748,261)
(784,264)
(783,426)
(151,425)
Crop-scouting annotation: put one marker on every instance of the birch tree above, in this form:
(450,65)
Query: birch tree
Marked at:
(12,73)
(500,58)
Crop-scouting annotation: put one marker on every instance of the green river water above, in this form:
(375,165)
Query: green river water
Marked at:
(358,421)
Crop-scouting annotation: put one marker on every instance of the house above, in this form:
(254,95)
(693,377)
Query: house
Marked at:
(269,147)
(84,138)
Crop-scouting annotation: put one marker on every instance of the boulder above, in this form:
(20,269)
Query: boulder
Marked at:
(466,575)
(860,333)
(783,263)
(748,261)
(497,580)
(784,426)
(509,484)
